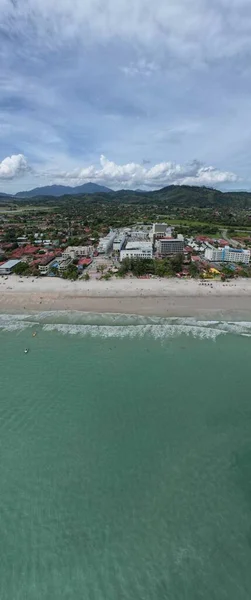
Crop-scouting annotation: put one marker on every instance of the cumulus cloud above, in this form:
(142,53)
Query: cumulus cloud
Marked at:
(133,175)
(13,166)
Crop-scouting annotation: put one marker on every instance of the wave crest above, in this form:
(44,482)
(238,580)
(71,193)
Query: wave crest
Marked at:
(121,326)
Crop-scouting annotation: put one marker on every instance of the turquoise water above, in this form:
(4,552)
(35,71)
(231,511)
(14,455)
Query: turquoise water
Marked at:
(125,468)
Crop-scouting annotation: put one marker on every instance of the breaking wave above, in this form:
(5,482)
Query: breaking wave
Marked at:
(121,326)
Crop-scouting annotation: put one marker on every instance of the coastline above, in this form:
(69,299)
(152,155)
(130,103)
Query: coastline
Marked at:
(147,297)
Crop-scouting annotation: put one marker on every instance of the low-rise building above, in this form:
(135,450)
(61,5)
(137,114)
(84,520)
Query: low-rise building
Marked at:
(22,240)
(7,267)
(24,252)
(227,254)
(83,263)
(137,250)
(77,251)
(169,246)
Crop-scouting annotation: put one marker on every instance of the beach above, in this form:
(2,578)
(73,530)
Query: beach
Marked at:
(163,297)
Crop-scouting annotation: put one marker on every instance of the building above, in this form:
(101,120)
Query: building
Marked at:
(119,242)
(214,254)
(105,244)
(7,267)
(140,235)
(83,263)
(137,250)
(77,251)
(46,264)
(160,230)
(227,254)
(22,240)
(63,264)
(168,246)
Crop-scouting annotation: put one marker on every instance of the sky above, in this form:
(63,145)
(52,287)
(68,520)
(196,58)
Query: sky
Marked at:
(125,93)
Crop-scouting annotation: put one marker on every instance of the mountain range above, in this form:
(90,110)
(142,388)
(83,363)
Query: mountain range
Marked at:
(172,195)
(62,190)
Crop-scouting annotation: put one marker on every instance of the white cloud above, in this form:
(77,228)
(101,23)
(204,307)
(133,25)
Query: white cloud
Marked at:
(133,175)
(13,166)
(196,30)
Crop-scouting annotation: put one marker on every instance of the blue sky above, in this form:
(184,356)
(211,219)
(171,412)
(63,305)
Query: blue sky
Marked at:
(127,93)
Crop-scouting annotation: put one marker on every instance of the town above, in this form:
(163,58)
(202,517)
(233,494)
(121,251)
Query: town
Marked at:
(101,242)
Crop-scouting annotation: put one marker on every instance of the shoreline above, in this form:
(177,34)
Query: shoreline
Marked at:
(151,297)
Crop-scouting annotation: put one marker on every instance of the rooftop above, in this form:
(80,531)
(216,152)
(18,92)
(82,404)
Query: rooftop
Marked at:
(237,250)
(140,245)
(28,249)
(46,259)
(10,264)
(84,261)
(170,239)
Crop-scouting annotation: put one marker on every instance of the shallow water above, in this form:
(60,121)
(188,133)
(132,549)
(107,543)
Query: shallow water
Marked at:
(125,458)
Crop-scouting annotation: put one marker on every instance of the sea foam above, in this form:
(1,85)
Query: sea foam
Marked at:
(135,331)
(123,325)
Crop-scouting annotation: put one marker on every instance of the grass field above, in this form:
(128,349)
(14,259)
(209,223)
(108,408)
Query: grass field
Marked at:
(190,223)
(25,209)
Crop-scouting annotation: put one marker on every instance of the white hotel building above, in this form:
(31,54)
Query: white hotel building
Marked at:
(119,242)
(227,254)
(106,243)
(137,250)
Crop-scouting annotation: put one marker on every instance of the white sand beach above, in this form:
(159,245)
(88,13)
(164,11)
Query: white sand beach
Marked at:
(167,297)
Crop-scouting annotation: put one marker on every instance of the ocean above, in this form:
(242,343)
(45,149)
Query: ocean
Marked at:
(125,469)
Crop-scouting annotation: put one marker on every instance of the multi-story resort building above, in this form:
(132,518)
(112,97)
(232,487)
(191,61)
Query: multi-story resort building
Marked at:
(61,264)
(160,230)
(119,242)
(46,264)
(227,254)
(169,246)
(105,244)
(137,250)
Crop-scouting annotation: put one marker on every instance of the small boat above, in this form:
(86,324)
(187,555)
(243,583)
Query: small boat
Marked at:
(34,334)
(26,351)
